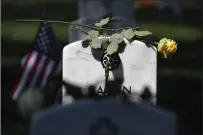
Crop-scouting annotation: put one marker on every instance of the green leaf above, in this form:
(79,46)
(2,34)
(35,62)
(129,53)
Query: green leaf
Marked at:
(107,15)
(128,34)
(116,38)
(165,55)
(142,33)
(161,43)
(92,34)
(112,48)
(102,22)
(105,43)
(96,43)
(87,37)
(105,21)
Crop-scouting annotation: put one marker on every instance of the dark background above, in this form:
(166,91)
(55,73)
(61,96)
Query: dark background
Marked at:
(179,78)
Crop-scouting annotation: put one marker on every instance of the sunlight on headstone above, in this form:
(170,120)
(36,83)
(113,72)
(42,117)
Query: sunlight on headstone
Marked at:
(82,67)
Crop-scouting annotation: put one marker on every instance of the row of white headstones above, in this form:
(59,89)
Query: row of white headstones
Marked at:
(137,69)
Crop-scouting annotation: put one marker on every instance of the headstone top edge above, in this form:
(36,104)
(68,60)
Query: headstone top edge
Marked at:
(80,42)
(71,45)
(111,102)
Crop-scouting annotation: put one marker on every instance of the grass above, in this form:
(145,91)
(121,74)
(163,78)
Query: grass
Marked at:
(9,61)
(181,72)
(26,31)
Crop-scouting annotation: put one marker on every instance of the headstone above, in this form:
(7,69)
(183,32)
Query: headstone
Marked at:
(135,68)
(175,5)
(105,117)
(90,11)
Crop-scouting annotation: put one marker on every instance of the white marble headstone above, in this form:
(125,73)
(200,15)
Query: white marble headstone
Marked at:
(106,117)
(138,68)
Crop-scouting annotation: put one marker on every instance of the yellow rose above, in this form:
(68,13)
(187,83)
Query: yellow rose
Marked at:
(166,47)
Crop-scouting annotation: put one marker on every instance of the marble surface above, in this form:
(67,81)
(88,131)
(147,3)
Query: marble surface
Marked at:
(138,68)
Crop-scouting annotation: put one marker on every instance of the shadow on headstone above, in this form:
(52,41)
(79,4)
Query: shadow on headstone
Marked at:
(121,47)
(114,87)
(146,94)
(74,91)
(134,69)
(97,53)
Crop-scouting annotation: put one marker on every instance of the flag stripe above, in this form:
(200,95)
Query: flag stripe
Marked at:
(38,71)
(47,73)
(30,67)
(33,70)
(39,81)
(24,61)
(27,67)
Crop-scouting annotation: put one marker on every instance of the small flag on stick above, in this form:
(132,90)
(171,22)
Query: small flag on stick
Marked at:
(39,64)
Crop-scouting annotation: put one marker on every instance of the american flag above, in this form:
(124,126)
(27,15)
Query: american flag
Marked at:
(39,64)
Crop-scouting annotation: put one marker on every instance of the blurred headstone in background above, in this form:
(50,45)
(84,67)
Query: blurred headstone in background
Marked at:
(105,117)
(90,11)
(173,4)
